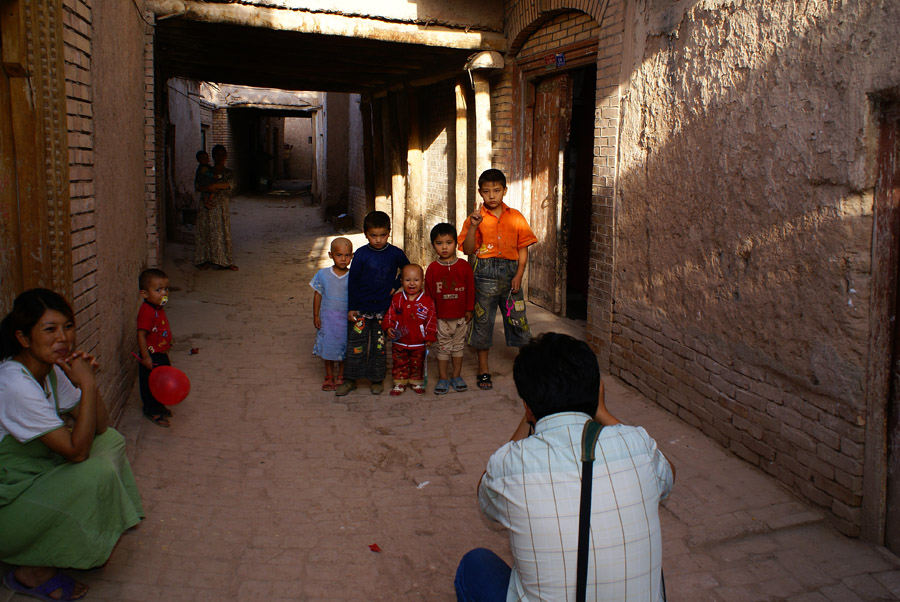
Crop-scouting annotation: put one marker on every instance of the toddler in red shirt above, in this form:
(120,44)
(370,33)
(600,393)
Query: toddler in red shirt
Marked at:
(450,282)
(154,338)
(411,323)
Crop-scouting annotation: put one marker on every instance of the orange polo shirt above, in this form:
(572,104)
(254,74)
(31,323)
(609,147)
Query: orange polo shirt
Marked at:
(500,237)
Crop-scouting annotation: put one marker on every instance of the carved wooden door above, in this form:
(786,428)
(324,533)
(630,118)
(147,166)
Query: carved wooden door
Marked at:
(549,130)
(10,263)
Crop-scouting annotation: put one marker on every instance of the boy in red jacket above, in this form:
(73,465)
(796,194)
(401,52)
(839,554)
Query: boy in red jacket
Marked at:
(411,323)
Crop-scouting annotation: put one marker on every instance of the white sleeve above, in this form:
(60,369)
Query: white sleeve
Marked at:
(661,467)
(26,413)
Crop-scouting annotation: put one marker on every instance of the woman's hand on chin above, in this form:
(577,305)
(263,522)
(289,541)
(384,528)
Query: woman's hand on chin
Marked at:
(87,357)
(79,369)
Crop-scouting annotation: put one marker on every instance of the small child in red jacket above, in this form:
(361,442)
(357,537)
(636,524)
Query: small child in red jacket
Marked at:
(411,323)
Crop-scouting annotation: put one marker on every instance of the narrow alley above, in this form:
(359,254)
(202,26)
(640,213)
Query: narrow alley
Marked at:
(268,489)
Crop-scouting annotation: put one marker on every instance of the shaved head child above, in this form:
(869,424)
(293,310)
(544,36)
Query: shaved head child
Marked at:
(330,312)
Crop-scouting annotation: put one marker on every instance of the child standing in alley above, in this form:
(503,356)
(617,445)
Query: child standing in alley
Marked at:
(449,282)
(499,237)
(374,276)
(154,337)
(330,312)
(411,324)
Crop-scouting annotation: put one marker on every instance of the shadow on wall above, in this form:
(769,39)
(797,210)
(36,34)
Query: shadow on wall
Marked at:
(742,206)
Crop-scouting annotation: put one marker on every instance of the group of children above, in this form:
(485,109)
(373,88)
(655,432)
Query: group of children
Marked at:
(374,295)
(382,296)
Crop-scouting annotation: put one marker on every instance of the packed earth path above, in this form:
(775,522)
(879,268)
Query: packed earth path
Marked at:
(266,488)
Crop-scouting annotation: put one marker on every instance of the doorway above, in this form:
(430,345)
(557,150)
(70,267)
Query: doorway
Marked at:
(560,133)
(881,474)
(888,190)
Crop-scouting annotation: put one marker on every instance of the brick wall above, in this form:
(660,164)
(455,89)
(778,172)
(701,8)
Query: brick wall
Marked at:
(77,32)
(743,285)
(102,203)
(603,193)
(766,417)
(502,117)
(536,28)
(152,177)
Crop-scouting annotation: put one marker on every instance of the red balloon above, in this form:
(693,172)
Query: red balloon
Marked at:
(169,385)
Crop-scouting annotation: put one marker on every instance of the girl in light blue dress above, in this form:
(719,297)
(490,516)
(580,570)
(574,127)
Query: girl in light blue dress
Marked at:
(330,312)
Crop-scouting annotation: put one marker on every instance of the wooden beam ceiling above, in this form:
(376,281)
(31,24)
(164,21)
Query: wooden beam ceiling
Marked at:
(266,58)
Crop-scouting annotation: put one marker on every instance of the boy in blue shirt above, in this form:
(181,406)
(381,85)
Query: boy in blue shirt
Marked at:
(374,276)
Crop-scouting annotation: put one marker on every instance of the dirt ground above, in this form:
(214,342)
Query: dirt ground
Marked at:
(266,488)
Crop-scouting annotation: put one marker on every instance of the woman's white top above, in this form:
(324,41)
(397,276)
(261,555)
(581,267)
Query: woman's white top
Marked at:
(27,407)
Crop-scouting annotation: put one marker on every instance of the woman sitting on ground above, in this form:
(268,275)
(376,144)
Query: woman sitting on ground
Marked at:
(67,493)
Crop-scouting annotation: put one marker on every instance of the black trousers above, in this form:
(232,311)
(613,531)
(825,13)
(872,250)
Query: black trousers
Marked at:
(151,405)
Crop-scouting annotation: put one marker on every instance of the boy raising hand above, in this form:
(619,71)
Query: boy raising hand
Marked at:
(499,236)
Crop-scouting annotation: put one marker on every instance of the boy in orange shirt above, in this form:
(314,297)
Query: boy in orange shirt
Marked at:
(499,236)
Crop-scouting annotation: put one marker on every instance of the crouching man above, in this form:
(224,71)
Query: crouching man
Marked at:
(532,486)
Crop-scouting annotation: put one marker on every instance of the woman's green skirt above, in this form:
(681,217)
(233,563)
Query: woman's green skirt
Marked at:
(63,514)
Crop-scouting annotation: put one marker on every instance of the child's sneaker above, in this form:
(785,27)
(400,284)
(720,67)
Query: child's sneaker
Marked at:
(418,389)
(398,390)
(345,388)
(377,388)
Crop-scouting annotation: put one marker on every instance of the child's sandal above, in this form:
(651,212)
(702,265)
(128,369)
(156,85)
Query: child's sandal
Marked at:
(398,390)
(328,384)
(418,389)
(442,386)
(484,382)
(338,381)
(458,384)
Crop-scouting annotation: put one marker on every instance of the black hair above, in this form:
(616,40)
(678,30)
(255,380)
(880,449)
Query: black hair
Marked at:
(442,229)
(557,373)
(491,175)
(149,274)
(26,312)
(217,148)
(376,219)
(199,153)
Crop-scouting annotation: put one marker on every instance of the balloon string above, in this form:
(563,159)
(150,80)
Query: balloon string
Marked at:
(138,358)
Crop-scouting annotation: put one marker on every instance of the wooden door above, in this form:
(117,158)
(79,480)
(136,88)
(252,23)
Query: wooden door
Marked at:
(34,181)
(549,130)
(10,263)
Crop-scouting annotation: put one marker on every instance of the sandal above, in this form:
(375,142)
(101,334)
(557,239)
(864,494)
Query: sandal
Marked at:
(328,383)
(484,382)
(458,384)
(338,381)
(418,389)
(59,581)
(442,386)
(398,390)
(158,420)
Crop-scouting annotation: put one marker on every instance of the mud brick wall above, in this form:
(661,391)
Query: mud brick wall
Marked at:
(809,441)
(111,179)
(77,33)
(744,229)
